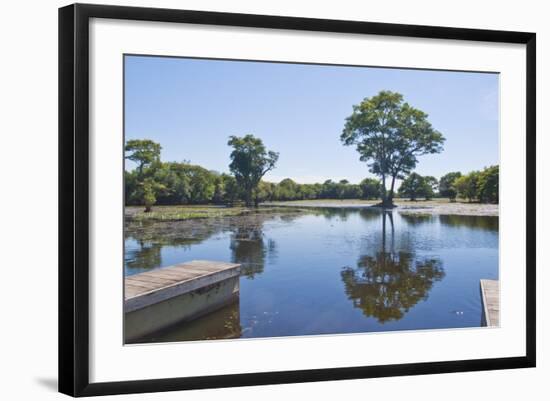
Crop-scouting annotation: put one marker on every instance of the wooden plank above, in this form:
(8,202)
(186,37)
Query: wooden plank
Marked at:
(490,299)
(203,265)
(141,285)
(130,292)
(154,279)
(151,287)
(167,274)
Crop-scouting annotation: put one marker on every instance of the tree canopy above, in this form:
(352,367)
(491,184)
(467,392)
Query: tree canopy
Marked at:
(446,185)
(416,186)
(177,183)
(250,161)
(390,135)
(142,151)
(370,188)
(479,186)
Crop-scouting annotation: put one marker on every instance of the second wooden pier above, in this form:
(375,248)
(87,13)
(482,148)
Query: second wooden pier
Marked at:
(490,302)
(163,297)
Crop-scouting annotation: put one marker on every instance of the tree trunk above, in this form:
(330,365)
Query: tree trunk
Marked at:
(383,189)
(248,197)
(390,198)
(387,198)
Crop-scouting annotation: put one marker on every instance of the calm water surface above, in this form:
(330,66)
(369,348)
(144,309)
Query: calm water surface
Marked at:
(327,271)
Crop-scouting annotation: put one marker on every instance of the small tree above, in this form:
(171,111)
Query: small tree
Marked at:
(264,191)
(231,189)
(431,187)
(371,188)
(488,185)
(446,185)
(415,186)
(146,154)
(150,188)
(250,161)
(287,189)
(467,186)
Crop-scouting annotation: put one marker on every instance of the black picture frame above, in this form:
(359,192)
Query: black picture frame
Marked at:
(74,203)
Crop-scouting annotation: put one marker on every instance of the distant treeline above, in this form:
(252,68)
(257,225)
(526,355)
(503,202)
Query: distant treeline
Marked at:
(184,183)
(176,183)
(476,186)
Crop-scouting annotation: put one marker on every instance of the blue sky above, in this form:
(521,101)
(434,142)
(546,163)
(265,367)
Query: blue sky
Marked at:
(191,107)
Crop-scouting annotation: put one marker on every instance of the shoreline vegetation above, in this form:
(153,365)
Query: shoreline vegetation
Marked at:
(438,206)
(388,134)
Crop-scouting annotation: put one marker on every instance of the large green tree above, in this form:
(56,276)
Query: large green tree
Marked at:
(250,160)
(389,135)
(467,186)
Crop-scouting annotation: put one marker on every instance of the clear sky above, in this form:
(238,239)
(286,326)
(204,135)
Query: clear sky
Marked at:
(191,107)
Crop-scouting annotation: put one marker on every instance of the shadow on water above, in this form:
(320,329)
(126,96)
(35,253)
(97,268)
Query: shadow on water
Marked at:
(386,283)
(224,323)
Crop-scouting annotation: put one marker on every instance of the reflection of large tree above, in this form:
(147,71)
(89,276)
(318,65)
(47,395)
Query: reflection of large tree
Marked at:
(249,247)
(385,285)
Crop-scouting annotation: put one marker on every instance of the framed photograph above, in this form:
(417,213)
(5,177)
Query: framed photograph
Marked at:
(251,199)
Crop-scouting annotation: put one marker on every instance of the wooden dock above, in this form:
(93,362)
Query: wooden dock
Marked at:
(163,297)
(490,302)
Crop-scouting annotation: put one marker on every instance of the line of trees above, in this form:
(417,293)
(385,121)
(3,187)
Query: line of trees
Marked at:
(476,186)
(178,183)
(388,133)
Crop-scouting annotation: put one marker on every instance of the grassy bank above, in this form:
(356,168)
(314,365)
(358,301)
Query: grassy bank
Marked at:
(189,212)
(182,212)
(193,212)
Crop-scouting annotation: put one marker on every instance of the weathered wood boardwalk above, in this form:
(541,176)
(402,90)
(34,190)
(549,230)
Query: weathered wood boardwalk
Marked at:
(159,298)
(490,302)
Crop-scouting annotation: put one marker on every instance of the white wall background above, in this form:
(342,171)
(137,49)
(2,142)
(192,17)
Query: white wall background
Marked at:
(28,197)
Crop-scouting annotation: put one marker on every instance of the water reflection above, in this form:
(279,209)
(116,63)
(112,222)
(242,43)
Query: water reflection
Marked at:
(225,323)
(248,244)
(386,284)
(487,223)
(146,256)
(249,247)
(403,271)
(418,219)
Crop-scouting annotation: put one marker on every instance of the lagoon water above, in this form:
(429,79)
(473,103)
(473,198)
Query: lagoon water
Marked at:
(329,271)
